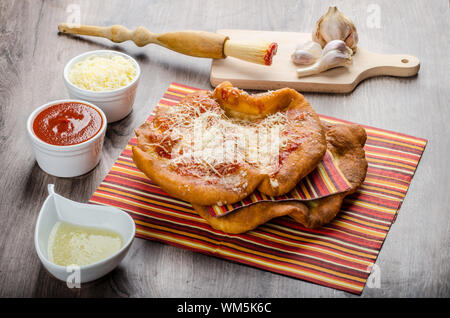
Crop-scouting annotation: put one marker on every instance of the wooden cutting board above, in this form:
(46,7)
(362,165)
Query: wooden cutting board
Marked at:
(282,72)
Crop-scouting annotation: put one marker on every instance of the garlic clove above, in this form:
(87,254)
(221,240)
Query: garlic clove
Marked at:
(306,53)
(312,47)
(331,59)
(336,45)
(334,59)
(335,26)
(301,57)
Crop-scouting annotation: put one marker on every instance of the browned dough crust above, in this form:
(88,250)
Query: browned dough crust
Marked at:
(346,143)
(237,103)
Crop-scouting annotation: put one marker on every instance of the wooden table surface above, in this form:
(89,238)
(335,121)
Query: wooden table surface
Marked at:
(414,260)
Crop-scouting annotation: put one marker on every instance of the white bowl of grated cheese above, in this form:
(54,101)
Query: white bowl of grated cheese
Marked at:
(106,78)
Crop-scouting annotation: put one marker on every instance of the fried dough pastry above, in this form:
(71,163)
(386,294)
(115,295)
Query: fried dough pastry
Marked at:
(187,164)
(346,143)
(240,104)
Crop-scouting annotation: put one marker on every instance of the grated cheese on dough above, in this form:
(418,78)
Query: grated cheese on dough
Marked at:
(207,137)
(102,72)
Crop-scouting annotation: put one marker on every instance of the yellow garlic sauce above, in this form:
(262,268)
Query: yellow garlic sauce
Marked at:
(71,244)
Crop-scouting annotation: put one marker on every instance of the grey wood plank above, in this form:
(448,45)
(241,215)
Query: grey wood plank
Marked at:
(414,261)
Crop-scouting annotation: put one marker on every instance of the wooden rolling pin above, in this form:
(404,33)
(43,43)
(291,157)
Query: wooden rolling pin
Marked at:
(193,43)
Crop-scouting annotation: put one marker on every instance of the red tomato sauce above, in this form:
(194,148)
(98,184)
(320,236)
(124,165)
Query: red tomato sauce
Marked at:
(67,124)
(270,52)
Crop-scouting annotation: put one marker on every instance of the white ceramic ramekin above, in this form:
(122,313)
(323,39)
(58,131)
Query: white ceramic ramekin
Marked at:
(59,209)
(67,161)
(117,103)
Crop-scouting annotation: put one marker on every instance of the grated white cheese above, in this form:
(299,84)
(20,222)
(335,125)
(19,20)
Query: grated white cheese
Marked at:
(102,72)
(207,137)
(274,183)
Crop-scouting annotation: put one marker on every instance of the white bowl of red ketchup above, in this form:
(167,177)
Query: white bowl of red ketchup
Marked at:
(67,136)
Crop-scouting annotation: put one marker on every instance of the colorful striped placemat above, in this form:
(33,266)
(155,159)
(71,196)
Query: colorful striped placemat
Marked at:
(325,180)
(338,255)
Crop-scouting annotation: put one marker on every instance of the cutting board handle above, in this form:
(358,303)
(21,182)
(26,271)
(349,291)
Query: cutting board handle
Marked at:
(402,65)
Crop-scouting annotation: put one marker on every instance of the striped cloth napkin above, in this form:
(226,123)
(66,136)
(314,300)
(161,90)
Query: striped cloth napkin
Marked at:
(338,255)
(325,180)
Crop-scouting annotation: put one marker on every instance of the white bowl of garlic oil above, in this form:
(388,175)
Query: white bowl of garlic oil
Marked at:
(81,242)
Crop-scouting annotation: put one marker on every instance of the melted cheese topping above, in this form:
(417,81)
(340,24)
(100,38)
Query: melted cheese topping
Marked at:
(214,140)
(102,72)
(201,135)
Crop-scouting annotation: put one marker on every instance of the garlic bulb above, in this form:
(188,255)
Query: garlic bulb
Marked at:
(331,59)
(306,53)
(335,26)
